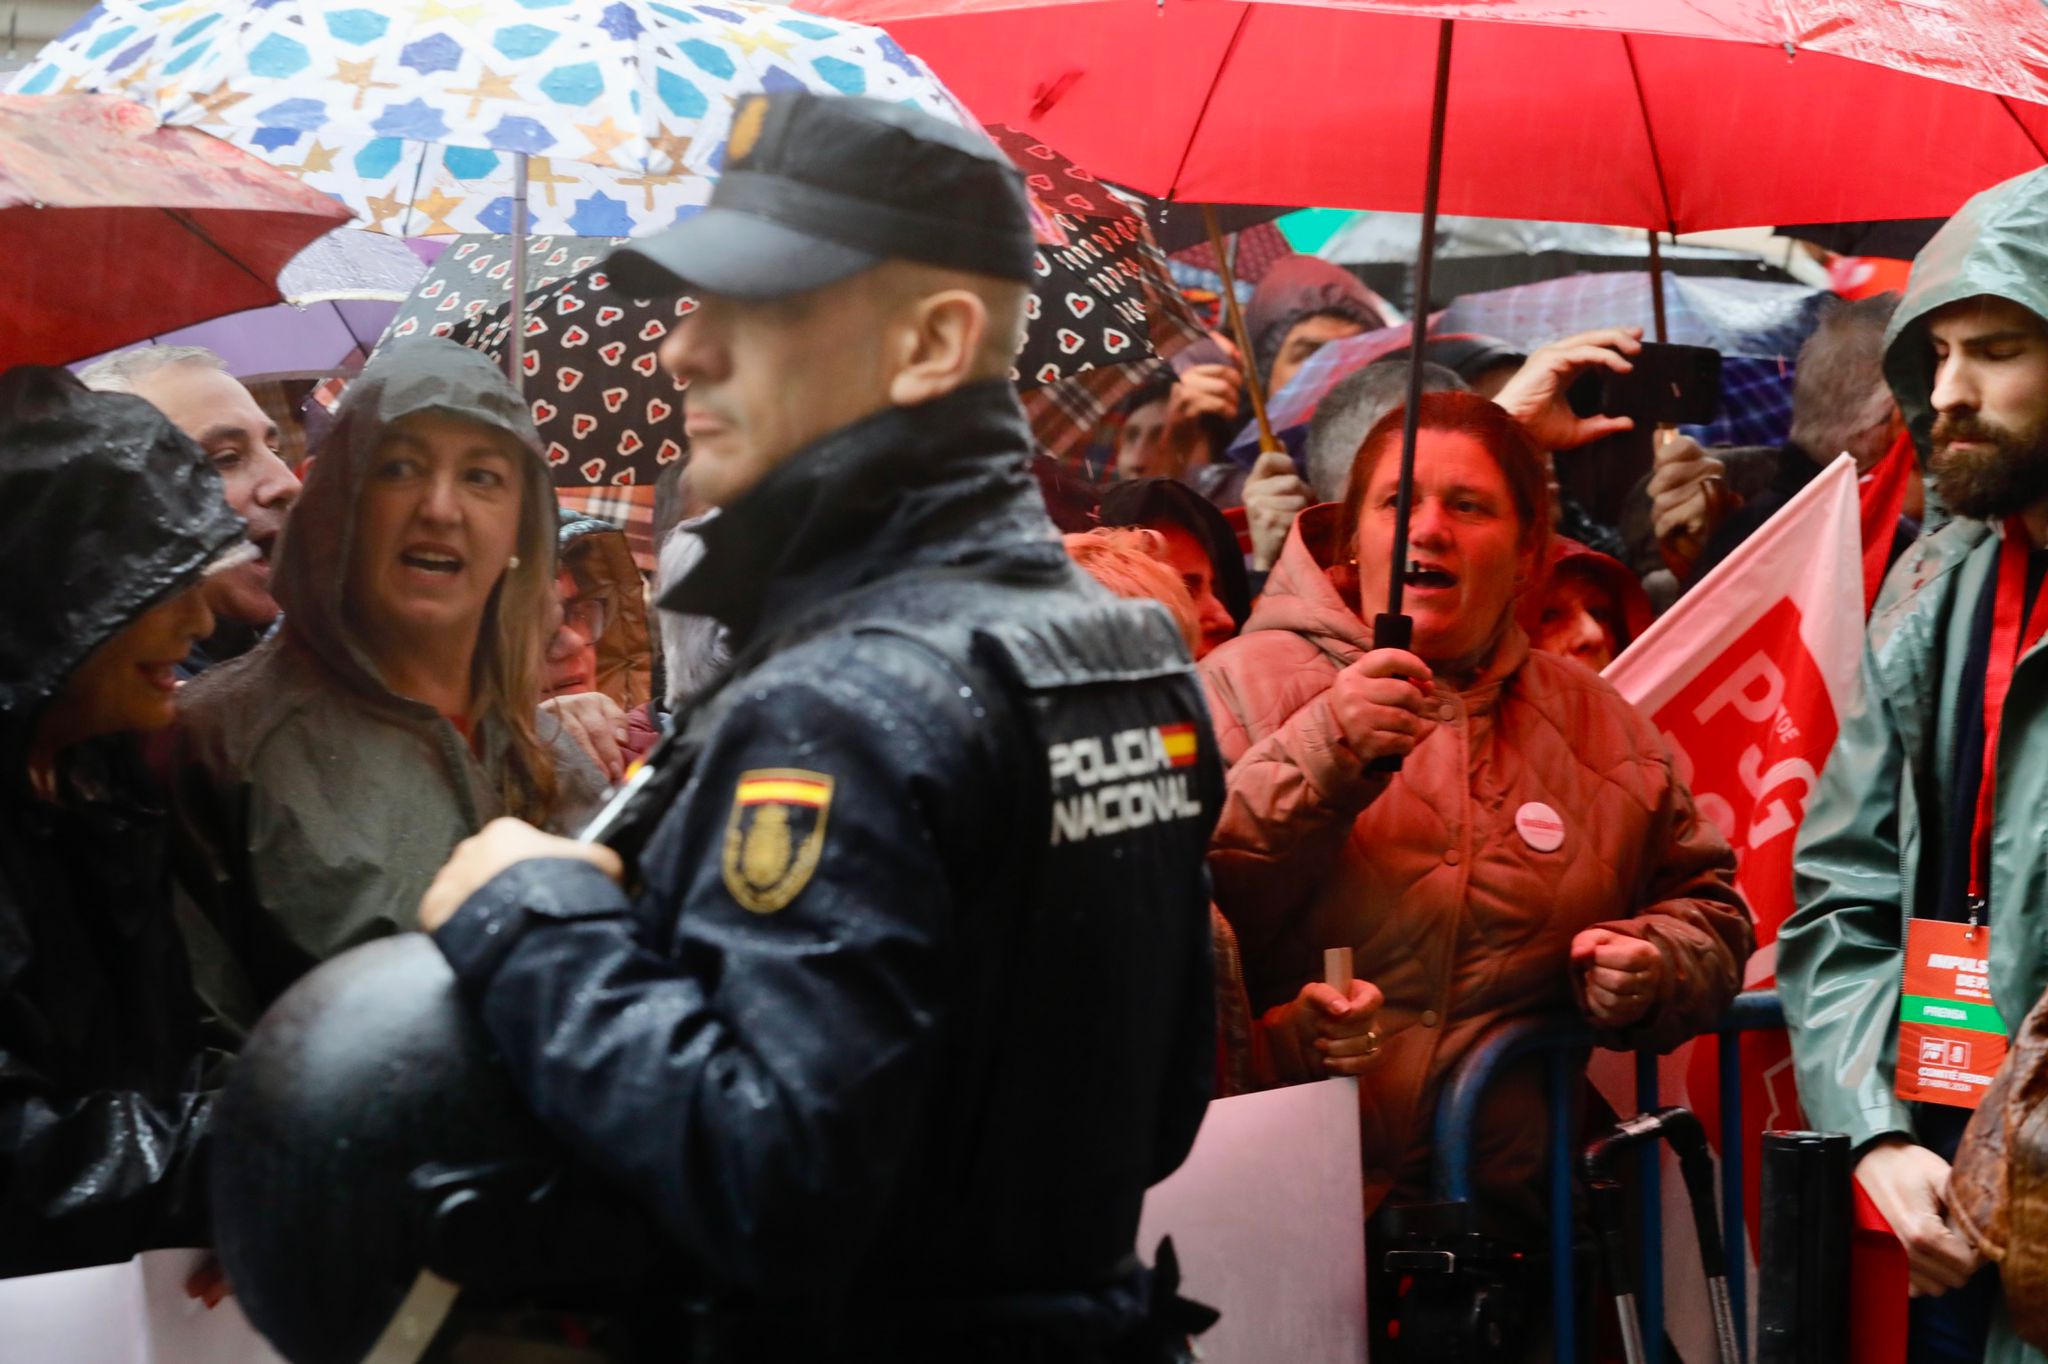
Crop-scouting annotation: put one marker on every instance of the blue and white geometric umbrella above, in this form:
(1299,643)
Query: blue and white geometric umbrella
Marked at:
(415,113)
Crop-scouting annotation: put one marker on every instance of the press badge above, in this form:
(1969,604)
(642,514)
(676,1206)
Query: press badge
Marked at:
(1951,1039)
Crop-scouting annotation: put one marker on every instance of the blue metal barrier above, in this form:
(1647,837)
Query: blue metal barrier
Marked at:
(1563,1042)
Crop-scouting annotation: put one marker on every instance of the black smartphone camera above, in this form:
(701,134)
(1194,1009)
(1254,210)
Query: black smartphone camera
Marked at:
(1668,386)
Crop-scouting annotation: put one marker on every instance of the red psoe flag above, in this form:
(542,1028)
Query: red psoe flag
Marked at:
(1747,678)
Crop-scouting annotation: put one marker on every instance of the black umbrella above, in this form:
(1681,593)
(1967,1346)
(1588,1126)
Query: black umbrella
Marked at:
(1104,312)
(1102,315)
(1891,238)
(1178,226)
(1480,255)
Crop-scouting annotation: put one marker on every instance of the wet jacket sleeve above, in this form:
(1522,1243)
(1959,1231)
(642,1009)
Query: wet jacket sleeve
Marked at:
(212,887)
(754,1076)
(1840,954)
(1290,802)
(1689,908)
(93,1177)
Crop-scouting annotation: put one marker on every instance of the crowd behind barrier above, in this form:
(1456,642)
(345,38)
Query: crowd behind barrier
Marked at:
(936,890)
(1562,1043)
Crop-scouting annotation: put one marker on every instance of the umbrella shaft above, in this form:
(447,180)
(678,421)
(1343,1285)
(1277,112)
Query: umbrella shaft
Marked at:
(1657,287)
(1235,316)
(1425,256)
(515,345)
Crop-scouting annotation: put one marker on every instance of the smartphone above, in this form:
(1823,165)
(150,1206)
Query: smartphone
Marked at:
(1669,386)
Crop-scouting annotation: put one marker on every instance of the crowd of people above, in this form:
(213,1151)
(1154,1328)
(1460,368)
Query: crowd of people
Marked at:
(972,883)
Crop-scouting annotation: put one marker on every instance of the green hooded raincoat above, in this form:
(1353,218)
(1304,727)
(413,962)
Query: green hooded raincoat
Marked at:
(1870,850)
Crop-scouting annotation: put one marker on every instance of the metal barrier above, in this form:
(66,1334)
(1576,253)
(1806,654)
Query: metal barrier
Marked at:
(1562,1043)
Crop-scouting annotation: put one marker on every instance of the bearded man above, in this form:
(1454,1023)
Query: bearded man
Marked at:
(1918,944)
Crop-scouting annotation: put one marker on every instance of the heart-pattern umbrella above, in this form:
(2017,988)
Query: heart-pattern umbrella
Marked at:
(1104,312)
(1095,303)
(472,276)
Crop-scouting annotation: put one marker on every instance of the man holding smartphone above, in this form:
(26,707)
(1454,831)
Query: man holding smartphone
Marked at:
(1841,404)
(1536,396)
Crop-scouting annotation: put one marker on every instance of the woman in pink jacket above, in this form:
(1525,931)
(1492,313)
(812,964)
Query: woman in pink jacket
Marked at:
(1535,854)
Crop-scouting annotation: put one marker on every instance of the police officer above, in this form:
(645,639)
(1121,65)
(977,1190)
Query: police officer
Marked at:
(903,999)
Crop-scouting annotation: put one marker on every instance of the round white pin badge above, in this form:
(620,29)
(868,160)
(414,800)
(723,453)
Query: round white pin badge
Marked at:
(1540,826)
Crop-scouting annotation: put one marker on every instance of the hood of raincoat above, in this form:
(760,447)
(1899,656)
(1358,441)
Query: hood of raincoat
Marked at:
(1302,286)
(1149,501)
(597,552)
(1632,604)
(1996,244)
(111,510)
(429,375)
(1301,597)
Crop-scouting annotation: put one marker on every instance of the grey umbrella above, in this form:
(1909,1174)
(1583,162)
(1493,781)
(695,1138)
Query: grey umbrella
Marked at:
(1479,255)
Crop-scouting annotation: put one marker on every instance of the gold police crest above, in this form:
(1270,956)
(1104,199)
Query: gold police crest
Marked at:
(774,835)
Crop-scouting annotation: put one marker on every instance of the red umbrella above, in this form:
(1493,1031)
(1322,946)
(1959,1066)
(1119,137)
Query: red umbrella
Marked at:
(1671,114)
(114,229)
(1674,114)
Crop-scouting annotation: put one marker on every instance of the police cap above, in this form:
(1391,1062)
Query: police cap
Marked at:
(820,187)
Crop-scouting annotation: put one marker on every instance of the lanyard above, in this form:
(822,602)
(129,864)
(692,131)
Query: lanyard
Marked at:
(2009,639)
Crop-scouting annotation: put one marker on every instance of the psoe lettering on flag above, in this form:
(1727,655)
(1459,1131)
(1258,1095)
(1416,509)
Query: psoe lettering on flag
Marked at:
(1747,678)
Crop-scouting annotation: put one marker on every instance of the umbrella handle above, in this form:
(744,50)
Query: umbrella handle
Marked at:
(1391,632)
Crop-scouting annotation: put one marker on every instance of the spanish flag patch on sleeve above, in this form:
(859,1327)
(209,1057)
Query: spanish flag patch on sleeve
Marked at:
(1180,745)
(774,836)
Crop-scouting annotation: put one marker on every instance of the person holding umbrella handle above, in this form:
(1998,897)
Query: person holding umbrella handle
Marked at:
(1536,851)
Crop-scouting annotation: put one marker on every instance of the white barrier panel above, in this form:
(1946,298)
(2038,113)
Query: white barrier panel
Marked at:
(133,1313)
(1268,1219)
(1266,1215)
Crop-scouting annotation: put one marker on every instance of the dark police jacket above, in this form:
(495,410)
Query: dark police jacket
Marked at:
(913,1001)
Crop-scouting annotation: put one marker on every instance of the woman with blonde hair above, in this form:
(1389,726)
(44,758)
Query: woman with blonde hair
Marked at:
(1132,563)
(324,777)
(1318,1032)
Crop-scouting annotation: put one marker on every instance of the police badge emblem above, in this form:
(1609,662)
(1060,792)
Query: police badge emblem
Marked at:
(774,835)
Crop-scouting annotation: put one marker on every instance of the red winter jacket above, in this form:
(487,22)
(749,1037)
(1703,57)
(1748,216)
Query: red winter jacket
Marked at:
(1460,919)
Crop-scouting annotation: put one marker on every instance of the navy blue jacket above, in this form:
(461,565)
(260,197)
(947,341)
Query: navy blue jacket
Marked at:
(912,1002)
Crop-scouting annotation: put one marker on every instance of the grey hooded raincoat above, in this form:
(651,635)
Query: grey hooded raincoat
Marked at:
(317,804)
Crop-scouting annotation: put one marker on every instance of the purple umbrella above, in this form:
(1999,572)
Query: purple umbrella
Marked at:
(342,292)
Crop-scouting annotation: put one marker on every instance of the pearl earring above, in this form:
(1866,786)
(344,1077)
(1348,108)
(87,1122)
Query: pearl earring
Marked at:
(512,563)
